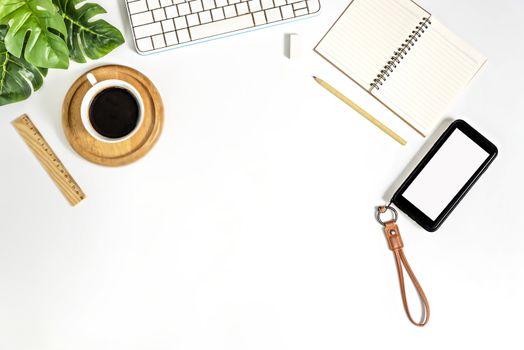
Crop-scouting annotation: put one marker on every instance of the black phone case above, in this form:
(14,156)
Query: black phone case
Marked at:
(411,210)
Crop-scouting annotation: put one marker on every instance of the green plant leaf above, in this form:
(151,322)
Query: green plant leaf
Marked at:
(87,37)
(18,78)
(35,27)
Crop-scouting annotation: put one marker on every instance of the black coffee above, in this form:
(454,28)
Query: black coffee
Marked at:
(114,113)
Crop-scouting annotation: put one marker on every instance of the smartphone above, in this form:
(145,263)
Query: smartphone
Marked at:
(444,176)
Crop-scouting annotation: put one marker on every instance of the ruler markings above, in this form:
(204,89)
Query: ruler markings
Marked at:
(48,159)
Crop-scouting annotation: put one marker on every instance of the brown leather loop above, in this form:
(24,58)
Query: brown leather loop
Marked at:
(395,244)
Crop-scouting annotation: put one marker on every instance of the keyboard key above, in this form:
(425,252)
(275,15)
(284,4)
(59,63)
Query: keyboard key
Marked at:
(260,18)
(158,41)
(180,22)
(217,14)
(301,12)
(141,18)
(230,11)
(168,25)
(242,8)
(166,3)
(267,4)
(254,5)
(159,15)
(183,9)
(205,17)
(233,2)
(171,38)
(196,6)
(222,27)
(183,36)
(193,20)
(144,44)
(280,2)
(221,3)
(313,6)
(287,11)
(171,11)
(273,15)
(137,6)
(208,4)
(148,30)
(299,5)
(153,4)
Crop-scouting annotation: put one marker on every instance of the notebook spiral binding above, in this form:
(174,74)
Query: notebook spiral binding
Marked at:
(399,54)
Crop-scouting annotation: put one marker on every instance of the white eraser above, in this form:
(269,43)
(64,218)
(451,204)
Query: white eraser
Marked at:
(294,46)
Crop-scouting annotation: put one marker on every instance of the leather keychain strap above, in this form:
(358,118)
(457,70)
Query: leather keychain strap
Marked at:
(396,245)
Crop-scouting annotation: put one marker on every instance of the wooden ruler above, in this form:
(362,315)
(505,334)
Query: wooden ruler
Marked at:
(49,160)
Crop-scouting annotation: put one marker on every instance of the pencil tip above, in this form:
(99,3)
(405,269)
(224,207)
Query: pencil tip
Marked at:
(314,77)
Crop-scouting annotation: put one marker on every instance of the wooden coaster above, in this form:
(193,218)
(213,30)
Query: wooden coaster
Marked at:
(121,153)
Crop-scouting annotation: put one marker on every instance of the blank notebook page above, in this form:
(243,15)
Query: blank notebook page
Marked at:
(367,34)
(429,77)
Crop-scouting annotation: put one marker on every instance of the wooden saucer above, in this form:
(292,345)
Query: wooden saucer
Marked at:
(121,153)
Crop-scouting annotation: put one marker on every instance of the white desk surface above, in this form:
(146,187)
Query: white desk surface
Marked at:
(250,225)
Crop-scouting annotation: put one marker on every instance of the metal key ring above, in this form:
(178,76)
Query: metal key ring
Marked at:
(383,209)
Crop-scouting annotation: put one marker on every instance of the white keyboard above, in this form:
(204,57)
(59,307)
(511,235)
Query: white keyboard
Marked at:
(163,24)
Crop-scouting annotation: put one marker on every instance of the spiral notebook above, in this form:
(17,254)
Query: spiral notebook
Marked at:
(404,57)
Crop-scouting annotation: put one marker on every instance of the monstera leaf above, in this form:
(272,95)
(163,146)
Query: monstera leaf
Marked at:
(35,27)
(47,34)
(18,78)
(87,37)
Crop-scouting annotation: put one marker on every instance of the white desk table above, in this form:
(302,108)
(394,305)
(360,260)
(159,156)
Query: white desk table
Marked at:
(250,224)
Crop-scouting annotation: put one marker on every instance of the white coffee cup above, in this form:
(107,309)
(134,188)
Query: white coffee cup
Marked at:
(96,88)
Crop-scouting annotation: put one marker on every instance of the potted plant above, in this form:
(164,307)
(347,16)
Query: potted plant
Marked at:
(36,35)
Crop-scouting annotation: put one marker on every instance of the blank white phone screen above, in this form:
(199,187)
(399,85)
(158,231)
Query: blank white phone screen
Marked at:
(445,174)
